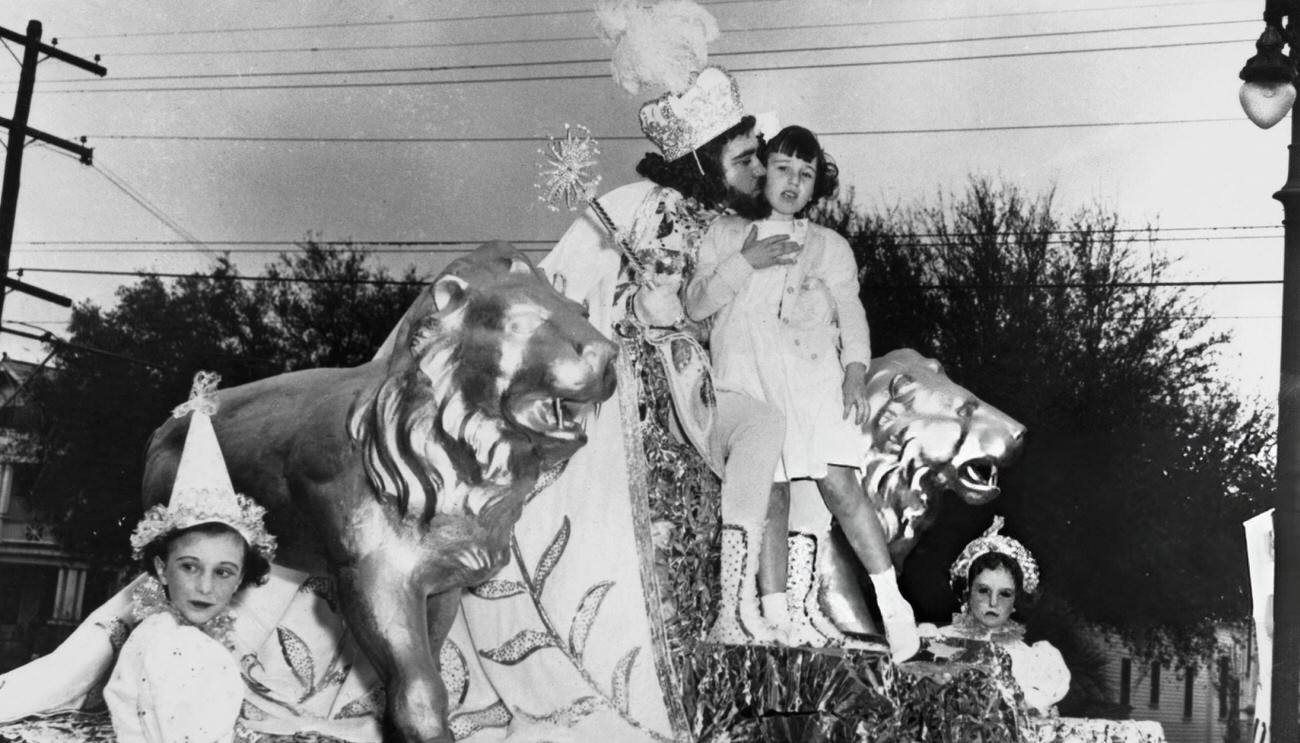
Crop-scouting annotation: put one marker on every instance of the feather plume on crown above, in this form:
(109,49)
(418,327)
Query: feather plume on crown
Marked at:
(658,46)
(661,48)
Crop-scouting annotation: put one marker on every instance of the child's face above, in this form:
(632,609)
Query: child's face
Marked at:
(790,182)
(202,573)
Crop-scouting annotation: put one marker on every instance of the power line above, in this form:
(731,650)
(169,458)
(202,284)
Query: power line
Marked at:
(360,24)
(356,48)
(940,287)
(225,51)
(605,75)
(287,243)
(445,19)
(418,247)
(138,197)
(605,58)
(640,137)
(552,241)
(224,277)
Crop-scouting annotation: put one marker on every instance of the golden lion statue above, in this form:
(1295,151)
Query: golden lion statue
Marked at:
(403,477)
(928,436)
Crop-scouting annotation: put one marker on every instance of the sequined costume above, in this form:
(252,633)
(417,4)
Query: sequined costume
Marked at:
(1038,669)
(174,681)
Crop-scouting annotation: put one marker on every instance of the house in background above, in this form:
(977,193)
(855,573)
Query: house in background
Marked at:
(44,589)
(1209,703)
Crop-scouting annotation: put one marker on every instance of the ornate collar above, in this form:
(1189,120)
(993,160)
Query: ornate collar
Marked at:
(968,627)
(150,598)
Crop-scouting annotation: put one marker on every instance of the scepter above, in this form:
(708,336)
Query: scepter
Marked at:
(566,183)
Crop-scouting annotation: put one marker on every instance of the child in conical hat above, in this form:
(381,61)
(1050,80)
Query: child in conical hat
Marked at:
(176,678)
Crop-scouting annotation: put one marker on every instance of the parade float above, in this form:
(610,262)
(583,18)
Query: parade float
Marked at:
(315,666)
(502,529)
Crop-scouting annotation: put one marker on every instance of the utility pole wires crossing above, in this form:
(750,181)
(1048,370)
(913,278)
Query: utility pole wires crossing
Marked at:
(18,134)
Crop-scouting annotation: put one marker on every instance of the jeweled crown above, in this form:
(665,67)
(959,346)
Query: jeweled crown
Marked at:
(992,541)
(680,124)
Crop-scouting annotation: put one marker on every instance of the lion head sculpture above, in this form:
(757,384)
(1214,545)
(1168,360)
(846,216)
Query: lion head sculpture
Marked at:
(501,372)
(929,436)
(403,477)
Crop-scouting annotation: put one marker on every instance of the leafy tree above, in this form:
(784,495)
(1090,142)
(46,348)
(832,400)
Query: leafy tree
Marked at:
(320,306)
(1140,463)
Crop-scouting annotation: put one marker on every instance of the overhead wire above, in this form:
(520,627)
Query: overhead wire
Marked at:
(784,28)
(417,247)
(641,137)
(584,10)
(403,282)
(604,59)
(605,74)
(360,24)
(138,197)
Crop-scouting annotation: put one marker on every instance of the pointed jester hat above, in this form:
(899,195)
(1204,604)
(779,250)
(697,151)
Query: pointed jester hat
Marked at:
(202,492)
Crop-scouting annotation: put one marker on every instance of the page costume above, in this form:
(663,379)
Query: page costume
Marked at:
(174,681)
(784,333)
(1038,669)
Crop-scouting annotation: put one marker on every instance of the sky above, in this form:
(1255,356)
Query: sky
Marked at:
(246,125)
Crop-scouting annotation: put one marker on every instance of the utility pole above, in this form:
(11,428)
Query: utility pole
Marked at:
(19,132)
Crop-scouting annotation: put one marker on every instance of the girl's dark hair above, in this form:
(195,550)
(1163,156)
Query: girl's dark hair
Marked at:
(993,561)
(683,174)
(796,141)
(256,567)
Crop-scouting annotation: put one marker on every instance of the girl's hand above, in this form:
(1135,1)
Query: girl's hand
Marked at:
(774,250)
(855,394)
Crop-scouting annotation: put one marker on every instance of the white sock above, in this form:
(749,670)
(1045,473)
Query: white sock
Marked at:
(897,615)
(886,584)
(775,609)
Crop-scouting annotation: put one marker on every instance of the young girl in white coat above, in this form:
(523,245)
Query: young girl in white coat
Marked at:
(790,330)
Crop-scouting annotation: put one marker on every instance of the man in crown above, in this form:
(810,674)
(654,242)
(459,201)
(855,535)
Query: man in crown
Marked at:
(708,164)
(604,528)
(620,539)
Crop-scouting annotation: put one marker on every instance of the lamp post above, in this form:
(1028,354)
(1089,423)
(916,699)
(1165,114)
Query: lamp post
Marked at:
(1267,95)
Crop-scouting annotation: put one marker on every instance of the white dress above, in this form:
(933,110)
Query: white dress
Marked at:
(174,684)
(784,334)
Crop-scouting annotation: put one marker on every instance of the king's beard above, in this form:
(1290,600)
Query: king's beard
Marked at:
(749,206)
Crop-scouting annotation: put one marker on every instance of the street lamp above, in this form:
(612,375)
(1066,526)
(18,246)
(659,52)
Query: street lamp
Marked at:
(1267,95)
(1268,92)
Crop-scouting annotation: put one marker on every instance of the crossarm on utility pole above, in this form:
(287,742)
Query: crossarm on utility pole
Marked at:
(85,153)
(56,53)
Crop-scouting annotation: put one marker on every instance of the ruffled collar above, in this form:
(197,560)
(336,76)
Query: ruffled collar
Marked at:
(968,627)
(150,598)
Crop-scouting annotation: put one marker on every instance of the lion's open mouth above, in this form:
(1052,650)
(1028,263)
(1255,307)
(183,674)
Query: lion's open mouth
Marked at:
(552,417)
(979,480)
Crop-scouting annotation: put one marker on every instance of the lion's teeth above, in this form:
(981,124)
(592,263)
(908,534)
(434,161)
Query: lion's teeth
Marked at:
(918,476)
(558,407)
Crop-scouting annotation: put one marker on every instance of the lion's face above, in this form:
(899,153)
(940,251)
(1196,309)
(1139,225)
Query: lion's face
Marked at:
(505,372)
(931,435)
(528,355)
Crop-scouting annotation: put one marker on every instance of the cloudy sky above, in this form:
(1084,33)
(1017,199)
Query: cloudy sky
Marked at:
(244,125)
